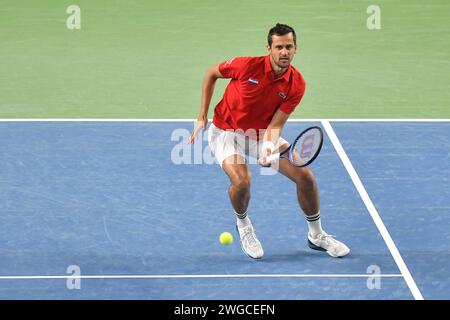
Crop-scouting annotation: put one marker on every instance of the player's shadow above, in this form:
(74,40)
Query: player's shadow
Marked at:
(293,256)
(302,255)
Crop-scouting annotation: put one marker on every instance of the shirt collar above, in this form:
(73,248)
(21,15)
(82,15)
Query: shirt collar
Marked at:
(268,69)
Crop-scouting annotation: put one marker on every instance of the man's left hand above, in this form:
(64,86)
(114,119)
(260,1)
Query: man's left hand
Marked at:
(263,160)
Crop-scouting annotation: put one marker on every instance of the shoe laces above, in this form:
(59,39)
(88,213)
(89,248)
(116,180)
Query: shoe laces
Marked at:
(327,237)
(250,237)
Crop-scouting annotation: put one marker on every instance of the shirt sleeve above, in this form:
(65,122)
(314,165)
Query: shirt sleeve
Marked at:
(291,103)
(233,68)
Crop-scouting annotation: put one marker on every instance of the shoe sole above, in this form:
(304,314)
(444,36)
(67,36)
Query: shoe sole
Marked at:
(242,247)
(314,247)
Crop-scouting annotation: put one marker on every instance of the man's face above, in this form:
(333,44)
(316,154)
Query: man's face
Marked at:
(282,50)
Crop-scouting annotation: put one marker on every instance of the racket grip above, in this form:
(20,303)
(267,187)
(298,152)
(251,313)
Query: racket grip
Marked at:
(273,157)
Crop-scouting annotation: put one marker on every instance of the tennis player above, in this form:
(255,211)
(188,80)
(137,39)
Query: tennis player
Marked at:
(248,122)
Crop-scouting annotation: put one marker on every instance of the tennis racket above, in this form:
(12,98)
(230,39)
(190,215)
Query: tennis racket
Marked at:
(304,150)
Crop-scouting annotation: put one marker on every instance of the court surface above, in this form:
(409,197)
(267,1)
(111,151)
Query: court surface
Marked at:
(107,198)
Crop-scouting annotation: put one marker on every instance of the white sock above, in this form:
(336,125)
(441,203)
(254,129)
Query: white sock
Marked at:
(314,224)
(242,219)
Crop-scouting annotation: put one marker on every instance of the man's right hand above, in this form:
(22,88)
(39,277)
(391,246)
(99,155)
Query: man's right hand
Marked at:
(199,124)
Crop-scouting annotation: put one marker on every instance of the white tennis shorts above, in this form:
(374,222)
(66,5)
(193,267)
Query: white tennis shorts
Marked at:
(225,143)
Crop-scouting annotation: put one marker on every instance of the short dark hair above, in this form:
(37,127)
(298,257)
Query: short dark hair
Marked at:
(280,30)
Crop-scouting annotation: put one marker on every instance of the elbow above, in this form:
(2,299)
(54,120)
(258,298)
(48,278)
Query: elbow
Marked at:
(213,73)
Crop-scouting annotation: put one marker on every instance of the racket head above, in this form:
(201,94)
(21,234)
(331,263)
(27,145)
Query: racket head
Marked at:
(306,147)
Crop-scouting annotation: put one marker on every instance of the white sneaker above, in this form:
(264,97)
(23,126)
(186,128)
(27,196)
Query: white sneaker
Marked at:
(326,242)
(249,243)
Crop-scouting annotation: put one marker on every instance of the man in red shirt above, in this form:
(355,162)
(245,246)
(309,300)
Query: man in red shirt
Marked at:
(248,121)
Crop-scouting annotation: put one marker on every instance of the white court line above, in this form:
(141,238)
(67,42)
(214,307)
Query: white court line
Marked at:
(373,211)
(192,120)
(198,276)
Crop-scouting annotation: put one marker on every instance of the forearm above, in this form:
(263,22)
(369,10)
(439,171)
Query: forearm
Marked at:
(274,129)
(271,136)
(209,82)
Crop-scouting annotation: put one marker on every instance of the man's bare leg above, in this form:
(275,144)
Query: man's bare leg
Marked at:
(239,192)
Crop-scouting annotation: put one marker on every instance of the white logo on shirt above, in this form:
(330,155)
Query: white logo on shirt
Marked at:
(253,81)
(229,61)
(282,95)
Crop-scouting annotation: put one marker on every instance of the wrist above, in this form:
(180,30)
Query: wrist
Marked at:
(268,147)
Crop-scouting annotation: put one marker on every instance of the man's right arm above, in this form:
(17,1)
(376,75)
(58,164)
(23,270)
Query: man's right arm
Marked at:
(209,83)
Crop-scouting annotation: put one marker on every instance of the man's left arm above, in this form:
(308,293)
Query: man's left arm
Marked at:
(272,135)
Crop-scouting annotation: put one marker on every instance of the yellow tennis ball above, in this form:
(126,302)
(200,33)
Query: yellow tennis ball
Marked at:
(226,238)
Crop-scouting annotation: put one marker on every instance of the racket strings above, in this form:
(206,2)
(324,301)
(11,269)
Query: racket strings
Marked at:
(306,148)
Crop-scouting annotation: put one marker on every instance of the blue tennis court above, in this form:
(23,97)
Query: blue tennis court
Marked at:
(138,214)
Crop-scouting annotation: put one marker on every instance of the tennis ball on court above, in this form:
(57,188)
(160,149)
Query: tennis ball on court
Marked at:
(226,238)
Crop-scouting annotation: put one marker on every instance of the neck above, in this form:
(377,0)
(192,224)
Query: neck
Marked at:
(278,71)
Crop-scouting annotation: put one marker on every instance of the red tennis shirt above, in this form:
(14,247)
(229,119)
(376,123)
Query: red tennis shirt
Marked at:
(253,95)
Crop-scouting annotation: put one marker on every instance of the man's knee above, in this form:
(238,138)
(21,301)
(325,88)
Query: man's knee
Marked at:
(241,183)
(305,179)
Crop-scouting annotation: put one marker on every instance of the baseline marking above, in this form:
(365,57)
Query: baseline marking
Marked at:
(198,276)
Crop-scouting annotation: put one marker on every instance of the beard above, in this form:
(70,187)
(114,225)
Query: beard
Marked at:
(283,63)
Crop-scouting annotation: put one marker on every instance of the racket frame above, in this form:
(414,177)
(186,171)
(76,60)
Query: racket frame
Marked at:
(277,155)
